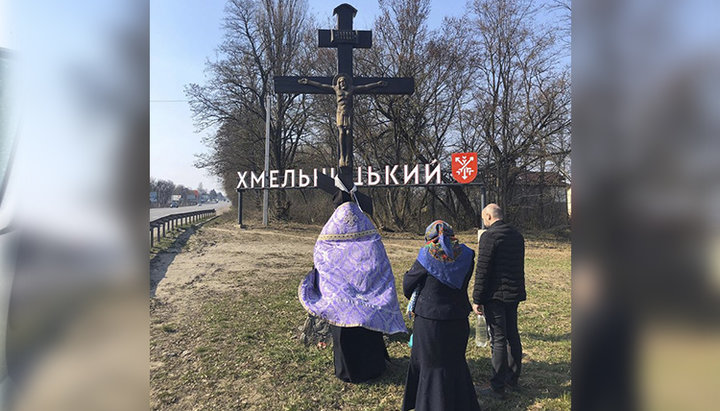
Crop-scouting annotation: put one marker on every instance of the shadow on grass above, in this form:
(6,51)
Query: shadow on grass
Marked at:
(548,338)
(394,374)
(538,381)
(160,263)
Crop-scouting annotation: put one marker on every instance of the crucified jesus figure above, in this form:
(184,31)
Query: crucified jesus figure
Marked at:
(344,90)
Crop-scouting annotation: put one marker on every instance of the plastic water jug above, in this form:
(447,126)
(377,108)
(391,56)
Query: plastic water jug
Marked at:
(481,334)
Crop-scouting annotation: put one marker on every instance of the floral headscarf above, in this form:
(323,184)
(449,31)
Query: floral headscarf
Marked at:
(441,242)
(443,256)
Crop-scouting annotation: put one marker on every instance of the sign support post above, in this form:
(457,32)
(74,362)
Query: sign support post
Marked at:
(240,206)
(266,193)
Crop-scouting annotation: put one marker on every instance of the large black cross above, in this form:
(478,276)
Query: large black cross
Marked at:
(345,39)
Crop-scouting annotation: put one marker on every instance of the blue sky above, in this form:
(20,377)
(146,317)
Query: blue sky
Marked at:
(57,37)
(183,34)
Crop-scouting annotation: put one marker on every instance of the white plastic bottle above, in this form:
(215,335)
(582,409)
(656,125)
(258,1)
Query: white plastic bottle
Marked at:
(481,334)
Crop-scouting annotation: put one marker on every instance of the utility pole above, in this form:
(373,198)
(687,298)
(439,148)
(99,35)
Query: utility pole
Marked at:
(267,160)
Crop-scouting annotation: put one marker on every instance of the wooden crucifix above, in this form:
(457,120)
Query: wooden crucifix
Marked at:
(343,84)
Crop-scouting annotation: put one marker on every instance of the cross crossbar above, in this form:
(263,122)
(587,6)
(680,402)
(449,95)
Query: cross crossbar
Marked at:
(360,39)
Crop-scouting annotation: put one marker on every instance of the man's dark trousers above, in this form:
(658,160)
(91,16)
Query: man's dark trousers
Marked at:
(505,343)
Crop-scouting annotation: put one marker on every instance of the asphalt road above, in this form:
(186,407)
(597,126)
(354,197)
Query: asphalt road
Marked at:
(161,212)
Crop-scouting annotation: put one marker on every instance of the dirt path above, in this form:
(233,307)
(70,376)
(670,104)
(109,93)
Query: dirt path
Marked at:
(222,257)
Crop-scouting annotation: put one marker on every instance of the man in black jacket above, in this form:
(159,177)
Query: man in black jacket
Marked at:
(499,287)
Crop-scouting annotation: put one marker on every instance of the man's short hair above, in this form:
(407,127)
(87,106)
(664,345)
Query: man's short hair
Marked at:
(495,211)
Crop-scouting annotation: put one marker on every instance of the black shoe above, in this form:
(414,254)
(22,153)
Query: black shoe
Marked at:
(491,393)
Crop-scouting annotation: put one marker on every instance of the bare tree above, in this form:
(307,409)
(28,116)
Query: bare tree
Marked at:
(491,82)
(562,9)
(416,128)
(263,38)
(520,109)
(164,189)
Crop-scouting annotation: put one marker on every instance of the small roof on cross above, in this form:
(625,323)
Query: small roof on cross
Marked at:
(344,6)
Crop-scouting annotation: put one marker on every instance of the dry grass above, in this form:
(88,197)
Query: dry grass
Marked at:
(225,324)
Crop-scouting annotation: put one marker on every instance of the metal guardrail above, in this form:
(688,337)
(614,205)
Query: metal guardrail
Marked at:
(169,222)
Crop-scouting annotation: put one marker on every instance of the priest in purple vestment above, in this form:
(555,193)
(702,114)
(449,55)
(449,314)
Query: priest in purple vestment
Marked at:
(353,288)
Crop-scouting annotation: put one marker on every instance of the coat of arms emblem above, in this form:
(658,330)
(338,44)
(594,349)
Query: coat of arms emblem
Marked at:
(464,167)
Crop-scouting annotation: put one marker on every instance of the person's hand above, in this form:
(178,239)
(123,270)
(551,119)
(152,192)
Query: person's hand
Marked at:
(303,81)
(477,309)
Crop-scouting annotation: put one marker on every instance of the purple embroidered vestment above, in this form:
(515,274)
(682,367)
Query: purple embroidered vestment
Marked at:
(352,284)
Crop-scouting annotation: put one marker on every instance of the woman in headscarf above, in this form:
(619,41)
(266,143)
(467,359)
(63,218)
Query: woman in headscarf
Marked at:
(353,288)
(438,377)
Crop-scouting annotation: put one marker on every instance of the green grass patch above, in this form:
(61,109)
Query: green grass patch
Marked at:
(163,243)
